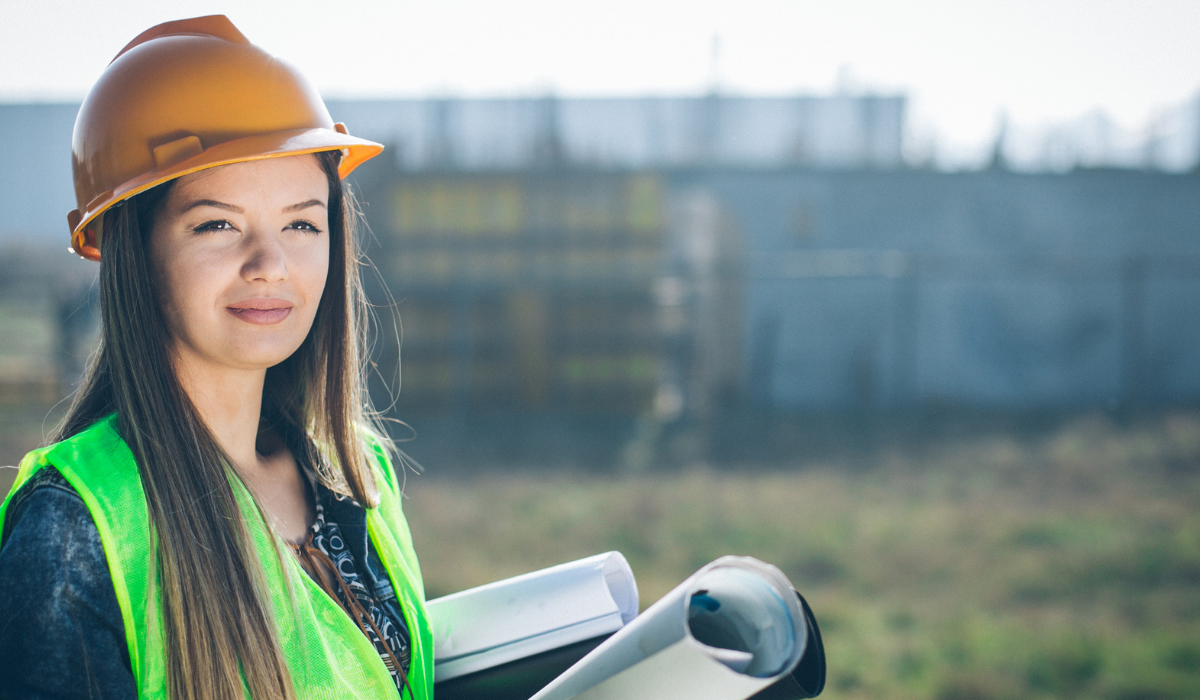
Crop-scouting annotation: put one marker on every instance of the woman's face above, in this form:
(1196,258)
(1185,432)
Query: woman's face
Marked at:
(241,253)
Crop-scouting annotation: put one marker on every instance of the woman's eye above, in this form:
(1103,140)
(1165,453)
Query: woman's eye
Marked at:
(214,225)
(303,225)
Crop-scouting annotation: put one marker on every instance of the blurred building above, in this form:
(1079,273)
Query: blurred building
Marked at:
(755,275)
(526,290)
(581,273)
(544,265)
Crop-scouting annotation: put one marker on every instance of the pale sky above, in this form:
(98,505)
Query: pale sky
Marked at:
(960,62)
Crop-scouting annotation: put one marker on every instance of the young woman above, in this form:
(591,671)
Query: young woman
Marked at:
(216,517)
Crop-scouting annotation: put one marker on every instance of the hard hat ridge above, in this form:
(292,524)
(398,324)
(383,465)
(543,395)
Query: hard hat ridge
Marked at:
(188,95)
(217,26)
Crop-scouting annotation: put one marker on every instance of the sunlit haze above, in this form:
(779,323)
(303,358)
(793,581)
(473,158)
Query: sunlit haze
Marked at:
(961,64)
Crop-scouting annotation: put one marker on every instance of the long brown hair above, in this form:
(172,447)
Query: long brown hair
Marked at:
(217,617)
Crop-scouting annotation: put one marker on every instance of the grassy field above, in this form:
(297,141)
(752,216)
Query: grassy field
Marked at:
(1064,565)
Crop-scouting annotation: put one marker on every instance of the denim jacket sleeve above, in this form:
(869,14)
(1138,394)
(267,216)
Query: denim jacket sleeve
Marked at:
(61,632)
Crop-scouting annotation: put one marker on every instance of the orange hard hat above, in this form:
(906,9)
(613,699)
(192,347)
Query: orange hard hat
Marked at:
(184,96)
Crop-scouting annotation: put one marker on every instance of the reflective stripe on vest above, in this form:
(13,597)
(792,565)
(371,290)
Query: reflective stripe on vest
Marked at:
(327,655)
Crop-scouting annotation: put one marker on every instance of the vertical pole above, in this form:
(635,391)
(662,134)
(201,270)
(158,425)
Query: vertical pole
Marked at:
(1133,283)
(906,388)
(461,352)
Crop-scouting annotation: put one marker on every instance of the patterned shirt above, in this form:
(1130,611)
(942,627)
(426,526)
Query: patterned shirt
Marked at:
(324,548)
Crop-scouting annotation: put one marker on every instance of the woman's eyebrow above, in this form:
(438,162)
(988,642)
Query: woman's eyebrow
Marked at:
(305,205)
(213,203)
(236,208)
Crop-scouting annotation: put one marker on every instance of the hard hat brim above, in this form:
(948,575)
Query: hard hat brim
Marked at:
(355,151)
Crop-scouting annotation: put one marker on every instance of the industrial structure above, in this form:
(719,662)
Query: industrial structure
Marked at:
(588,273)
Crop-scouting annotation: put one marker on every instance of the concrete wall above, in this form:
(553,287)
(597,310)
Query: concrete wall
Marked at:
(881,290)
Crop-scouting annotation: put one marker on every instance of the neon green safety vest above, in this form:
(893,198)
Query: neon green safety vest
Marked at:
(327,655)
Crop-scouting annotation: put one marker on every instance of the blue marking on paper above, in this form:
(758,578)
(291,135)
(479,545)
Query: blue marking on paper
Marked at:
(704,600)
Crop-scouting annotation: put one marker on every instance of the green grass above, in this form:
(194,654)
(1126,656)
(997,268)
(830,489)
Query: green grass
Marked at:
(1059,567)
(996,567)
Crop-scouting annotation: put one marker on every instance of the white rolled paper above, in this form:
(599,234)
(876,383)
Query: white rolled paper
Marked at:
(728,631)
(518,617)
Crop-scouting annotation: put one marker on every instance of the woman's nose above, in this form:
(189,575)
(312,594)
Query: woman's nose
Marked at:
(265,259)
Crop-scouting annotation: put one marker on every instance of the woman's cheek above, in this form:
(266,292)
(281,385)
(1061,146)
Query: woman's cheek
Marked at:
(315,271)
(194,295)
(172,297)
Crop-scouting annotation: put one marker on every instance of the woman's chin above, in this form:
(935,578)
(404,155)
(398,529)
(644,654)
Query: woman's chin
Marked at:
(266,360)
(256,357)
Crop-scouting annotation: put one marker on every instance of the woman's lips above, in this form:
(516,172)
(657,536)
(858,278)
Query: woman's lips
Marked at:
(261,312)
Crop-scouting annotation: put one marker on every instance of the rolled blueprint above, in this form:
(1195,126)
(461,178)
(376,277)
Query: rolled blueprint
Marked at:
(530,614)
(730,630)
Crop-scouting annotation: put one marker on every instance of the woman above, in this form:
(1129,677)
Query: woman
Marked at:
(216,516)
